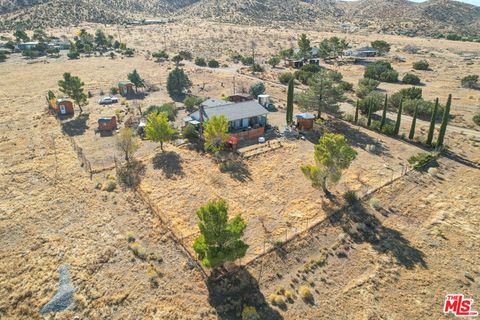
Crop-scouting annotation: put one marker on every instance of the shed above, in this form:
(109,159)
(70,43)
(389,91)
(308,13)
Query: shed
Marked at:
(240,97)
(125,88)
(107,123)
(305,121)
(65,107)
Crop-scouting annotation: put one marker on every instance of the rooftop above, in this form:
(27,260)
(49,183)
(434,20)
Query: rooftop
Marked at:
(211,102)
(233,111)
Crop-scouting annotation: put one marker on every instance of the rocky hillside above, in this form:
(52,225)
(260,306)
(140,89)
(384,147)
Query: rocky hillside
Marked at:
(432,16)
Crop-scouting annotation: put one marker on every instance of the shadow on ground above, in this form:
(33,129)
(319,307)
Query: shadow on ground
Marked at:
(232,293)
(169,162)
(363,226)
(236,168)
(77,126)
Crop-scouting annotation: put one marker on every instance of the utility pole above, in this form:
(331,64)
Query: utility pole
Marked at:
(234,85)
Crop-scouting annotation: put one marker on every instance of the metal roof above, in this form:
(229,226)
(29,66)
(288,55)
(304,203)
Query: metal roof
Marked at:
(233,111)
(211,102)
(305,116)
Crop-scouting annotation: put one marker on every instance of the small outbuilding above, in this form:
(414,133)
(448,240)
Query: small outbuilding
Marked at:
(125,88)
(107,123)
(65,107)
(240,97)
(305,121)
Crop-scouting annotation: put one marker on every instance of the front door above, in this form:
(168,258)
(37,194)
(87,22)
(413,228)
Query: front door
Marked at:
(62,109)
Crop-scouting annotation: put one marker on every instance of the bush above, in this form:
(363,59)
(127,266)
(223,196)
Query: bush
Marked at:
(420,160)
(169,108)
(114,90)
(277,300)
(250,313)
(350,196)
(345,86)
(73,54)
(130,174)
(285,77)
(389,129)
(236,57)
(160,55)
(476,119)
(313,68)
(190,133)
(257,68)
(248,61)
(421,65)
(200,62)
(381,71)
(186,55)
(375,204)
(470,82)
(374,99)
(411,78)
(412,93)
(424,110)
(213,63)
(257,89)
(305,293)
(365,86)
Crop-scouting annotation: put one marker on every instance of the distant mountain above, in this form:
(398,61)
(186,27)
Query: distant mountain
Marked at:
(434,16)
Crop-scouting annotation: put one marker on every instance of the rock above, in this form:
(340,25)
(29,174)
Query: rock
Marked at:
(64,296)
(469,276)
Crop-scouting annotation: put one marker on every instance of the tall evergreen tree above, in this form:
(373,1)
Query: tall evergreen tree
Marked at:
(443,128)
(414,122)
(356,113)
(399,118)
(384,113)
(290,102)
(432,123)
(370,108)
(134,77)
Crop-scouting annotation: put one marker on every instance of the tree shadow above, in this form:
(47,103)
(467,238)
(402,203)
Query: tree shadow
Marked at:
(170,163)
(76,126)
(457,158)
(236,168)
(359,139)
(230,294)
(362,226)
(136,96)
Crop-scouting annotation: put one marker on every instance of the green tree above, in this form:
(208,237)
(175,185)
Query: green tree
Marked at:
(433,119)
(101,39)
(257,89)
(21,36)
(213,64)
(370,113)
(158,128)
(332,48)
(216,133)
(177,59)
(332,156)
(160,55)
(399,118)
(134,77)
(421,65)
(220,239)
(381,46)
(191,102)
(186,55)
(381,71)
(290,102)
(200,62)
(169,108)
(73,87)
(304,45)
(384,113)
(274,61)
(177,83)
(443,127)
(321,96)
(127,143)
(40,35)
(411,78)
(414,122)
(285,77)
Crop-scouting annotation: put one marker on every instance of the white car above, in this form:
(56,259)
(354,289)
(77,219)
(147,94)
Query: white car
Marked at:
(108,100)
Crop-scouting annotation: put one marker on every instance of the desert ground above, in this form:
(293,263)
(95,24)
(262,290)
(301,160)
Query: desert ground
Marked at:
(394,255)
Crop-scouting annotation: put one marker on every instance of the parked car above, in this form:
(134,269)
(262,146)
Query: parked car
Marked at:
(108,100)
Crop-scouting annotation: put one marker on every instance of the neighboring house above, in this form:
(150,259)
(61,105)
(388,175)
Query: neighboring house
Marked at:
(26,46)
(313,52)
(362,52)
(125,88)
(245,119)
(107,123)
(305,121)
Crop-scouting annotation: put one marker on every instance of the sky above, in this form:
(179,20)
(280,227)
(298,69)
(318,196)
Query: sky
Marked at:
(475,2)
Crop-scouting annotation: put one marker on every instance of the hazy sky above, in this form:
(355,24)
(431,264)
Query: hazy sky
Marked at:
(475,2)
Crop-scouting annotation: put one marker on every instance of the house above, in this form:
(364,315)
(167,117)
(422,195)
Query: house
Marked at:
(125,88)
(239,97)
(362,52)
(246,119)
(296,64)
(107,123)
(212,102)
(313,52)
(64,107)
(305,121)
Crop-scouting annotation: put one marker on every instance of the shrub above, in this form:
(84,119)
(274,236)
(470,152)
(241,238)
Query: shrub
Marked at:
(138,250)
(373,99)
(213,63)
(470,81)
(160,55)
(420,160)
(421,65)
(285,78)
(257,68)
(169,108)
(277,300)
(250,313)
(257,89)
(313,68)
(365,86)
(130,236)
(113,90)
(248,61)
(305,293)
(186,55)
(424,108)
(236,57)
(130,174)
(110,185)
(389,129)
(200,62)
(411,78)
(476,119)
(73,55)
(345,86)
(350,196)
(375,204)
(412,93)
(190,133)
(381,71)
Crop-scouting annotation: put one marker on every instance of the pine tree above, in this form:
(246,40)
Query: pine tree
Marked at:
(414,121)
(290,102)
(432,123)
(384,114)
(356,113)
(443,128)
(370,108)
(399,118)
